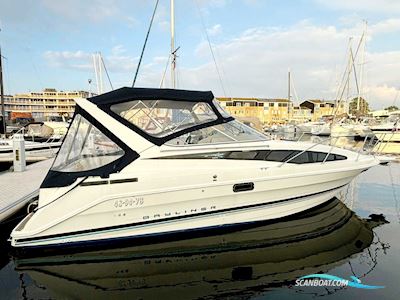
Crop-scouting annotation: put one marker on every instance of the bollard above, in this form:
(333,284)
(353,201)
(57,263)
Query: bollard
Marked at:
(19,153)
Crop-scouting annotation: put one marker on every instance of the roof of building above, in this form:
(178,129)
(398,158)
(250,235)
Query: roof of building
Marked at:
(302,108)
(318,101)
(252,99)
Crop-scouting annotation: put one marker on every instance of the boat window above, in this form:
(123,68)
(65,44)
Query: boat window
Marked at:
(280,155)
(230,132)
(160,118)
(220,109)
(267,155)
(85,148)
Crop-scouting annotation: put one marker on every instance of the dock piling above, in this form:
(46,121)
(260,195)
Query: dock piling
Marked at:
(19,153)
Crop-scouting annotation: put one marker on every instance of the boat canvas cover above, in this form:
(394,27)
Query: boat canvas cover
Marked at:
(127,93)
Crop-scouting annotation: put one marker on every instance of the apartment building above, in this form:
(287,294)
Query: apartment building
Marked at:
(321,108)
(45,104)
(301,114)
(263,110)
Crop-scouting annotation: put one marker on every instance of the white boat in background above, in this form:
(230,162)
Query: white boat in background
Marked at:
(44,131)
(34,151)
(322,129)
(363,130)
(154,162)
(42,141)
(306,127)
(288,128)
(342,130)
(388,133)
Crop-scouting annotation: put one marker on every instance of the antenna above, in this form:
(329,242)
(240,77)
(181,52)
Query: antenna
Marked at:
(173,50)
(3,113)
(144,45)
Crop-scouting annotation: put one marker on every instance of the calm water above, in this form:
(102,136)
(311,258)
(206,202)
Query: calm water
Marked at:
(261,262)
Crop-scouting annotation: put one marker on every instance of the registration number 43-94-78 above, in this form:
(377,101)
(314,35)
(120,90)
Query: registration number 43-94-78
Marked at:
(129,202)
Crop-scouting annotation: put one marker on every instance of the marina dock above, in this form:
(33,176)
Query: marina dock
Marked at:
(18,188)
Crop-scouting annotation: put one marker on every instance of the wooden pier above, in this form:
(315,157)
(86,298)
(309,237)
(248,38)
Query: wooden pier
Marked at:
(18,188)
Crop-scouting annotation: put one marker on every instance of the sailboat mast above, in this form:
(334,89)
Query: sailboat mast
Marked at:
(3,113)
(362,66)
(173,52)
(289,85)
(96,73)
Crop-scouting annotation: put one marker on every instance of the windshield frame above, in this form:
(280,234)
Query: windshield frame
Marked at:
(162,140)
(236,122)
(60,179)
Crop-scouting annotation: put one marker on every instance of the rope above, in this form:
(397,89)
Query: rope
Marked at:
(145,43)
(165,72)
(108,76)
(211,49)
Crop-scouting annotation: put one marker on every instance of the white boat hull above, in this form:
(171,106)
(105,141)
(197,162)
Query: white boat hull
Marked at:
(340,130)
(306,127)
(324,130)
(167,210)
(33,151)
(388,136)
(389,142)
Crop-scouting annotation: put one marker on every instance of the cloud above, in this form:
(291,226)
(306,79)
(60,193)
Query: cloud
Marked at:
(215,30)
(117,61)
(118,49)
(68,59)
(131,21)
(385,26)
(255,63)
(212,3)
(95,10)
(375,6)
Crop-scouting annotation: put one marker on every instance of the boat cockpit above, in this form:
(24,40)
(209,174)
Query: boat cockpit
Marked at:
(170,117)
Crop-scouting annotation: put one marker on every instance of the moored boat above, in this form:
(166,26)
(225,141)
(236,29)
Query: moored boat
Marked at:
(147,162)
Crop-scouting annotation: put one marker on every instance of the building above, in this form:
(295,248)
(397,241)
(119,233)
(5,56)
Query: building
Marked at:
(261,110)
(301,115)
(321,108)
(42,105)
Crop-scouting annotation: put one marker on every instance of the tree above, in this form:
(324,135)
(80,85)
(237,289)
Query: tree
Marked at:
(363,108)
(392,108)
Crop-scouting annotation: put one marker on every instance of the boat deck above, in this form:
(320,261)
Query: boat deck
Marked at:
(17,188)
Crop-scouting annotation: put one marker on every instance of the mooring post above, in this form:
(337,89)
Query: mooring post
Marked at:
(19,153)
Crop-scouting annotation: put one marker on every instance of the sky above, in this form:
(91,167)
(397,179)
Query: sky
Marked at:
(49,44)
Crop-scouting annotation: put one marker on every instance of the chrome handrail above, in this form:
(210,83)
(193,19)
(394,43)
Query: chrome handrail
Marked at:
(330,150)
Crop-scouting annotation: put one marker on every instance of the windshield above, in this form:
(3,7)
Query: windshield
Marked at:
(160,118)
(85,148)
(230,132)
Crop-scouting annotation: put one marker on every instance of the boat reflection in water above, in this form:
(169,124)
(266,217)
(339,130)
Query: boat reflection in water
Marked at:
(235,263)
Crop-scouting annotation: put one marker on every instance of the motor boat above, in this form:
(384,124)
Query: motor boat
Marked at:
(242,262)
(322,129)
(363,130)
(388,135)
(288,128)
(139,163)
(34,151)
(306,127)
(342,130)
(44,131)
(42,141)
